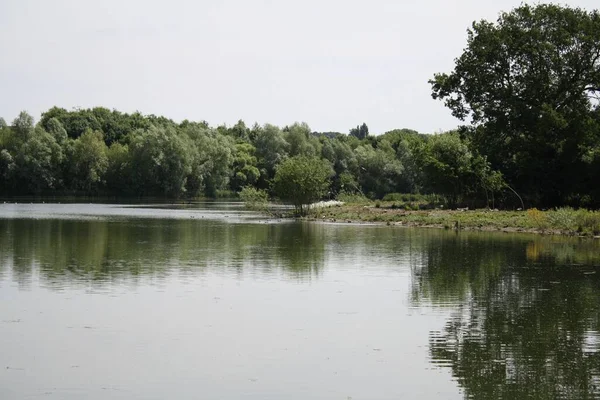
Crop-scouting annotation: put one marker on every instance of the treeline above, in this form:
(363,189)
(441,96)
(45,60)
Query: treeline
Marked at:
(103,152)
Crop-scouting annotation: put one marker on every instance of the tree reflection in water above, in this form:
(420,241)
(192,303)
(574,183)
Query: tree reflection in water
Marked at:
(526,319)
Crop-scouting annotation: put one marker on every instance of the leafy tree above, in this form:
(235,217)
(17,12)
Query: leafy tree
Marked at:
(118,171)
(38,160)
(7,168)
(244,171)
(271,149)
(89,161)
(55,128)
(360,132)
(301,180)
(300,140)
(239,131)
(380,171)
(530,84)
(2,123)
(161,160)
(217,153)
(23,125)
(453,170)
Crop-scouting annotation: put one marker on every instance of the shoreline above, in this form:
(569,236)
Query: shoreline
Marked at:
(536,222)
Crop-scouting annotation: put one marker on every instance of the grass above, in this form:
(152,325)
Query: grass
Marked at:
(566,220)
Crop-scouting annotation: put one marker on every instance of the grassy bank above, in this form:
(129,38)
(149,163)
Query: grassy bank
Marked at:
(565,221)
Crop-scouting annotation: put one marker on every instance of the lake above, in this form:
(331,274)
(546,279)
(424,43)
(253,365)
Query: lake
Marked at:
(207,300)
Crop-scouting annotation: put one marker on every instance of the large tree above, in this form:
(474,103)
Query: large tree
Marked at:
(530,84)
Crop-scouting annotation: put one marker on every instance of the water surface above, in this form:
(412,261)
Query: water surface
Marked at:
(211,301)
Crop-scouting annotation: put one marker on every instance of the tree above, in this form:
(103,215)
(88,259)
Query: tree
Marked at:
(300,140)
(530,84)
(89,161)
(271,149)
(23,125)
(7,167)
(244,170)
(361,131)
(301,180)
(38,161)
(55,128)
(160,160)
(380,171)
(455,171)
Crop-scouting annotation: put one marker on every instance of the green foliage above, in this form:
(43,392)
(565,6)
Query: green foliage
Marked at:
(530,84)
(118,172)
(360,132)
(302,180)
(379,170)
(23,125)
(245,171)
(352,198)
(453,170)
(38,161)
(271,149)
(162,161)
(300,141)
(89,161)
(254,199)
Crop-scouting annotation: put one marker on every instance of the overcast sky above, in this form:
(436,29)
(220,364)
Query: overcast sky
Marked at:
(330,63)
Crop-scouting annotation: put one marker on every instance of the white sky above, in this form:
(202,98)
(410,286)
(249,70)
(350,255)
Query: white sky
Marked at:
(331,63)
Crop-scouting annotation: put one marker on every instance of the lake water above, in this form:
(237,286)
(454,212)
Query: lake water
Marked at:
(208,301)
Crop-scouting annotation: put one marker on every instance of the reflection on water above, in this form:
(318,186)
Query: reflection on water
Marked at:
(187,302)
(106,251)
(525,315)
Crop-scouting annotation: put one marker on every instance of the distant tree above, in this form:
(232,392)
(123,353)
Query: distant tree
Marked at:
(2,123)
(379,170)
(160,160)
(38,160)
(7,169)
(244,171)
(118,172)
(360,132)
(453,170)
(271,149)
(23,125)
(89,161)
(55,128)
(302,180)
(301,141)
(239,131)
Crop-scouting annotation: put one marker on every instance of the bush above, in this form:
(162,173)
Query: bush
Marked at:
(564,218)
(352,198)
(537,218)
(588,221)
(254,199)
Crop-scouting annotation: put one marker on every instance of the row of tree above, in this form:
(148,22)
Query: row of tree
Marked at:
(529,83)
(99,151)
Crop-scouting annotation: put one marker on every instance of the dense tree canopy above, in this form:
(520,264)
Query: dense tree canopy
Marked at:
(155,156)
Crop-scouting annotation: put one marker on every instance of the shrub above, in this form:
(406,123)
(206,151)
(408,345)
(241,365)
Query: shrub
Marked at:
(537,218)
(589,221)
(564,218)
(352,198)
(255,199)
